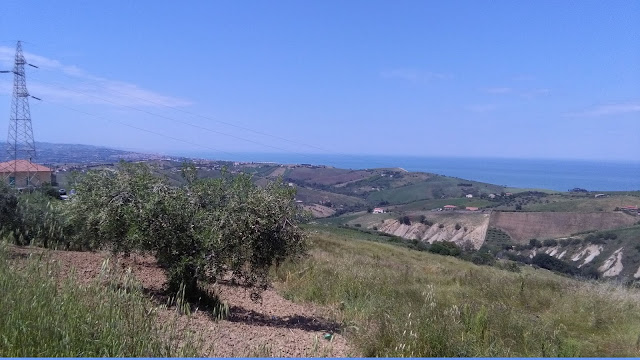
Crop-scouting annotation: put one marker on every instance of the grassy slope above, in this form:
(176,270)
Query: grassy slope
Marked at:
(45,317)
(434,187)
(397,302)
(316,196)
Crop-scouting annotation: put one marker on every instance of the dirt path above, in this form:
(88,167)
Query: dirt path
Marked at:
(272,327)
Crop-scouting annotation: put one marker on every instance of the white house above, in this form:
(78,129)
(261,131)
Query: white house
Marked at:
(378,211)
(469,196)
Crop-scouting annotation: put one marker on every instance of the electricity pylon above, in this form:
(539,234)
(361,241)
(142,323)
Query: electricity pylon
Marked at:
(20,143)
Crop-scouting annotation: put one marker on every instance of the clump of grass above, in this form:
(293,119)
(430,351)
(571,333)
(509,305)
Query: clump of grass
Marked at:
(397,302)
(43,316)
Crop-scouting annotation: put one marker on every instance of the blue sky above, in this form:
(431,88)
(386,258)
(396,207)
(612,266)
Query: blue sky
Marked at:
(519,79)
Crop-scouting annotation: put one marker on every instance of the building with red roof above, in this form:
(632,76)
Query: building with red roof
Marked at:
(24,173)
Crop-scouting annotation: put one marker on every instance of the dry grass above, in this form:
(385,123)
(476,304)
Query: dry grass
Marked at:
(397,302)
(44,316)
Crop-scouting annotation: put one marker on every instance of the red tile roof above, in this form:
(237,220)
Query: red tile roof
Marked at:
(472,208)
(450,206)
(22,166)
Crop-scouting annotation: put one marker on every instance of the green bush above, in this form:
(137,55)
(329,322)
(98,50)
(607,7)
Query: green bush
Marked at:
(445,248)
(483,258)
(198,232)
(550,263)
(31,218)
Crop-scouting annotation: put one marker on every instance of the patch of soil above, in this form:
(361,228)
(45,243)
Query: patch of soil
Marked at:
(522,226)
(272,326)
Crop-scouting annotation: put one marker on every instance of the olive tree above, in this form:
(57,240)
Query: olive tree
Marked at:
(199,232)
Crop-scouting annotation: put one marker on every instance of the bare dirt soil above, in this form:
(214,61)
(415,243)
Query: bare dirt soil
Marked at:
(273,326)
(522,226)
(319,211)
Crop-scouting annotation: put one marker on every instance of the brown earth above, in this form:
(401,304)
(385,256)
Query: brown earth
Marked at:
(319,211)
(522,226)
(328,176)
(273,326)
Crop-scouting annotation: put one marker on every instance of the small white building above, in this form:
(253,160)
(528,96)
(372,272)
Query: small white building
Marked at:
(469,196)
(378,211)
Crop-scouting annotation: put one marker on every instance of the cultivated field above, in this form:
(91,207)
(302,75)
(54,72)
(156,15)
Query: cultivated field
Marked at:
(522,226)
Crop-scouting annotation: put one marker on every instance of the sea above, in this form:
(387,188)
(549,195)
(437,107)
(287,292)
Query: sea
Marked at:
(559,175)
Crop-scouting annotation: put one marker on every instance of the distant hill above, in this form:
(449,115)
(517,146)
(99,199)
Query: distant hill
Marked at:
(50,153)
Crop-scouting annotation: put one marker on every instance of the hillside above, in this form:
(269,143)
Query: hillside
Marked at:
(50,153)
(400,302)
(613,254)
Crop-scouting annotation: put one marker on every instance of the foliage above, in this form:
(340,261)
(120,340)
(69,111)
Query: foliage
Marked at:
(445,248)
(31,218)
(550,263)
(198,232)
(535,243)
(600,237)
(10,219)
(404,220)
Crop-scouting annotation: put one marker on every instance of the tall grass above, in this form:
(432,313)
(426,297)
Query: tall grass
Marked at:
(43,316)
(397,302)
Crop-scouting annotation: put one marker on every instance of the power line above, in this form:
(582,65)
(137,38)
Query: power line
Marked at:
(96,83)
(199,126)
(170,118)
(142,129)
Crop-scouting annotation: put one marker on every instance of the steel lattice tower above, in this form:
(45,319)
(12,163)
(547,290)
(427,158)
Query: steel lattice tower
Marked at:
(20,143)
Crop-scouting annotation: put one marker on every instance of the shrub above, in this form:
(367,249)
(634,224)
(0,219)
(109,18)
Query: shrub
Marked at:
(198,232)
(405,220)
(550,242)
(550,263)
(425,221)
(445,248)
(483,258)
(535,243)
(9,213)
(576,241)
(31,218)
(458,226)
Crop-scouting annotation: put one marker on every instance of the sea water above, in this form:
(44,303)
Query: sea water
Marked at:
(560,175)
